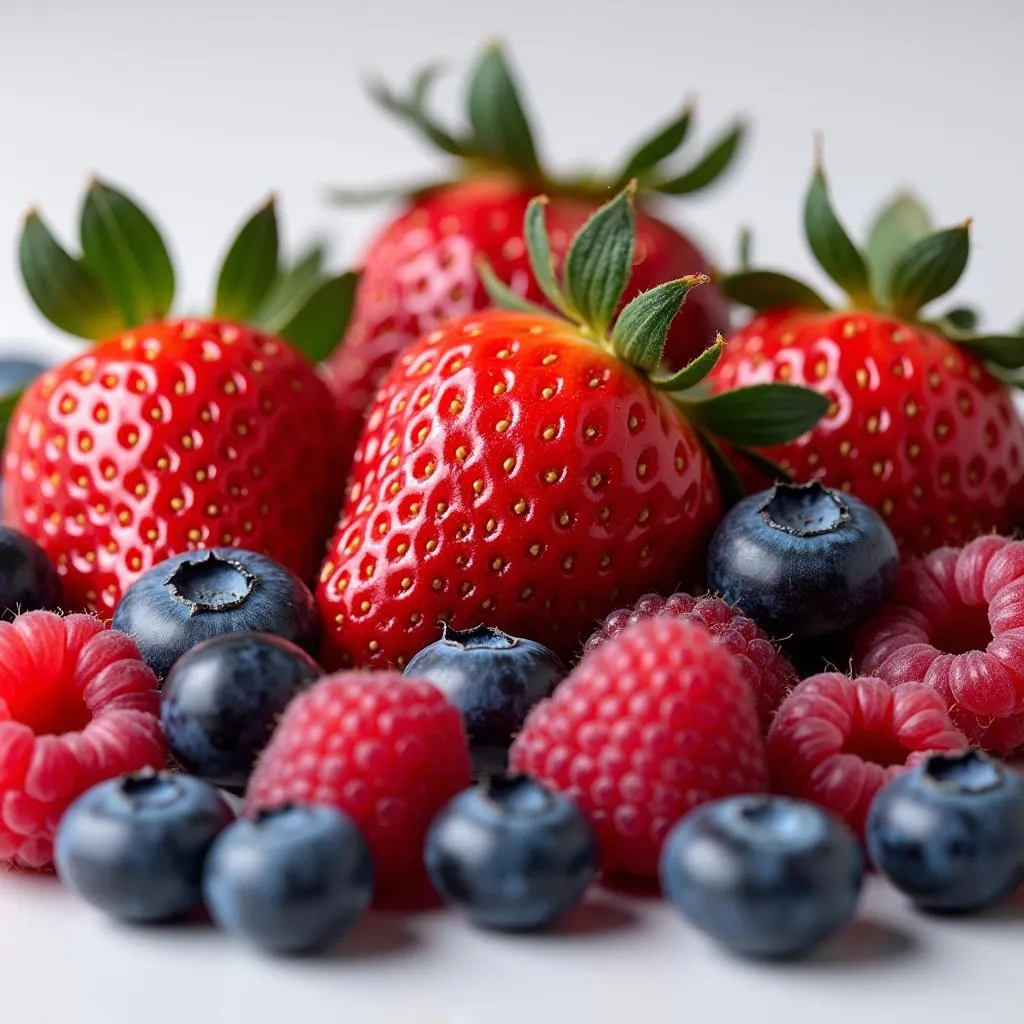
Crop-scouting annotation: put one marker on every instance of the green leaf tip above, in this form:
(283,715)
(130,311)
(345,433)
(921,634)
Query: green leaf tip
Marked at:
(250,266)
(900,224)
(599,262)
(759,415)
(641,330)
(695,371)
(835,252)
(123,247)
(929,269)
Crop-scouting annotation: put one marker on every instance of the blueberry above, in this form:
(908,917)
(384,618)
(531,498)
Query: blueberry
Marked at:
(201,594)
(135,846)
(291,880)
(28,579)
(802,560)
(18,371)
(949,832)
(493,679)
(222,699)
(511,854)
(764,876)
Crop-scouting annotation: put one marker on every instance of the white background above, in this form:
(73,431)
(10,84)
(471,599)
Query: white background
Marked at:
(203,107)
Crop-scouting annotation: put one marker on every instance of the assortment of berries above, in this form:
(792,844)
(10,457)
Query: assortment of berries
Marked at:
(543,570)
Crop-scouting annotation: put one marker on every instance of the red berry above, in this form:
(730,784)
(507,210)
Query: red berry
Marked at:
(420,271)
(918,427)
(649,725)
(836,741)
(529,471)
(955,622)
(77,706)
(766,670)
(387,750)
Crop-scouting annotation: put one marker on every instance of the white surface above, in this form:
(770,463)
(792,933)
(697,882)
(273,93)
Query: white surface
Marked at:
(202,107)
(613,962)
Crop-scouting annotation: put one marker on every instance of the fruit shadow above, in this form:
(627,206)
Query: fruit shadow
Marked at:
(596,917)
(377,935)
(865,943)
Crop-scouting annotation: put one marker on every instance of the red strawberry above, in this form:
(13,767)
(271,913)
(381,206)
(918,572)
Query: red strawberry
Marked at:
(919,426)
(525,470)
(420,270)
(170,435)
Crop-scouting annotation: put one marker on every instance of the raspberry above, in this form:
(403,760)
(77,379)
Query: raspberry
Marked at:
(387,750)
(649,725)
(766,670)
(77,706)
(836,741)
(955,622)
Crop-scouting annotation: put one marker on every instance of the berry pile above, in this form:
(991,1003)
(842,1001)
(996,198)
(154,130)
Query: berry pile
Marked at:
(547,636)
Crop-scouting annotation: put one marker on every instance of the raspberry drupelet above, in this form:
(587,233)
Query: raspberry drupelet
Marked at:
(654,722)
(837,741)
(766,670)
(77,706)
(955,622)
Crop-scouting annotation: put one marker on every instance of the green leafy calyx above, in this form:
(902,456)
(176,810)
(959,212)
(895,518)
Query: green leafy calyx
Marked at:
(589,292)
(124,276)
(905,266)
(497,137)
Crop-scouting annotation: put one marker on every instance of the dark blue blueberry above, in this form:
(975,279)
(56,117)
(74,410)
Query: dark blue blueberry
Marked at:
(222,700)
(291,880)
(493,679)
(950,832)
(201,594)
(135,846)
(802,560)
(28,579)
(764,876)
(511,854)
(18,371)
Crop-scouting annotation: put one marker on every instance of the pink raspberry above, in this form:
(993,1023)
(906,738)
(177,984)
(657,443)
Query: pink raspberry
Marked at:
(650,724)
(77,705)
(387,750)
(765,669)
(836,741)
(955,622)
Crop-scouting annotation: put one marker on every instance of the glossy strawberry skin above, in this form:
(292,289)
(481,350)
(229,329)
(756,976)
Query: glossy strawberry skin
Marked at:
(173,436)
(419,272)
(918,429)
(513,474)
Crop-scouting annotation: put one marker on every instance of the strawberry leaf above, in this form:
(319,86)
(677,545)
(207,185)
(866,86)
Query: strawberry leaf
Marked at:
(317,328)
(766,289)
(694,371)
(641,330)
(1006,351)
(502,295)
(760,415)
(123,248)
(64,290)
(501,131)
(708,169)
(412,110)
(250,267)
(930,268)
(831,245)
(899,225)
(962,318)
(290,291)
(662,144)
(8,403)
(542,263)
(600,261)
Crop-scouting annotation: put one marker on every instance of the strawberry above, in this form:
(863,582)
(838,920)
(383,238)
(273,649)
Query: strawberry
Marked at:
(169,435)
(532,471)
(419,271)
(920,426)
